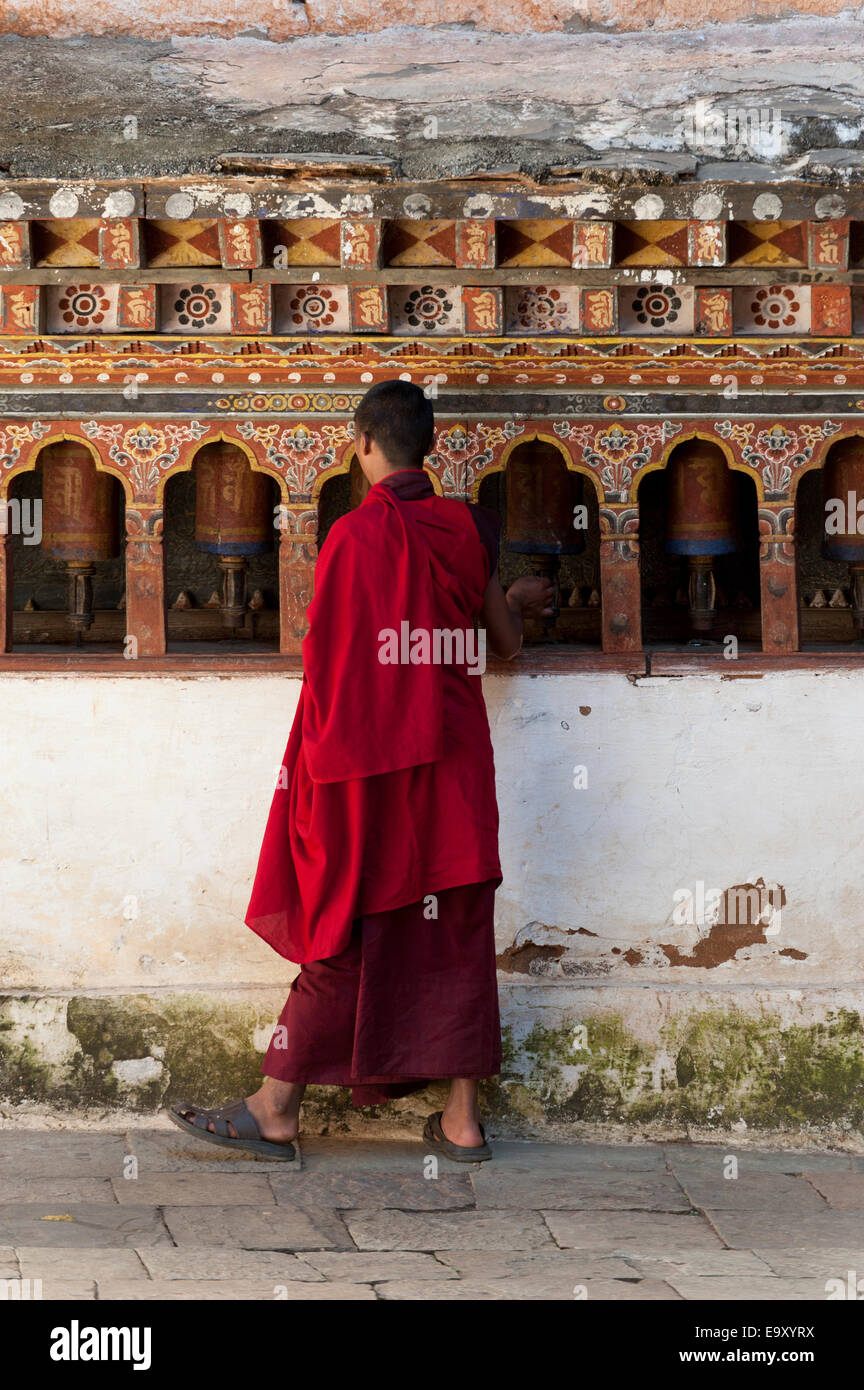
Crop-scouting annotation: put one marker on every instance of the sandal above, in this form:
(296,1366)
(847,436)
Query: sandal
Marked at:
(459,1153)
(241,1119)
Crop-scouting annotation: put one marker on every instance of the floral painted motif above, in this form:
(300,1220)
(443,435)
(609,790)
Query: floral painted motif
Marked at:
(298,453)
(543,309)
(14,437)
(197,306)
(617,453)
(656,306)
(313,307)
(142,451)
(84,306)
(462,453)
(428,307)
(777,306)
(776,451)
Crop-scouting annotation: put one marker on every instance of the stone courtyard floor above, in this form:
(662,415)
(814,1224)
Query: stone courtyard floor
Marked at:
(148,1214)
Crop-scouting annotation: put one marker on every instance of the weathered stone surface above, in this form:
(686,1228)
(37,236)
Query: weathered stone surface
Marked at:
(536,1287)
(366,1267)
(745,1289)
(69,1291)
(214,1263)
(497,98)
(842,1191)
(447,1192)
(684,1158)
(701,1263)
(255,1228)
(507,1264)
(81,1225)
(807,1262)
(458,1230)
(26,1189)
(175,1290)
(170,1151)
(356,1156)
(533,1158)
(760,1230)
(82,1263)
(609,1191)
(194,1189)
(62,1153)
(630,1234)
(759,1192)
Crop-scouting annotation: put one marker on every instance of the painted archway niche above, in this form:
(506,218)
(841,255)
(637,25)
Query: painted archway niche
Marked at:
(65,550)
(221,517)
(699,550)
(550,525)
(827,502)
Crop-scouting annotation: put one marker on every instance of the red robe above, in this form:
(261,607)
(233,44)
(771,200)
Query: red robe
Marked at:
(388,787)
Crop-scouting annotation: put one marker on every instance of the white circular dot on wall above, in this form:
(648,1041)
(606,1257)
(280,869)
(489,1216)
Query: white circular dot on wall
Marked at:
(831,205)
(648,208)
(119,204)
(237,204)
(11,207)
(417,205)
(179,206)
(767,207)
(64,203)
(707,207)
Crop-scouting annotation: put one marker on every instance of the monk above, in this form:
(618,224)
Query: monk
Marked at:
(379,865)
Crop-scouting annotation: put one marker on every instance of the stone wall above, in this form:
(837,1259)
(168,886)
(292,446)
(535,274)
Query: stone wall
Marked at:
(279,21)
(139,804)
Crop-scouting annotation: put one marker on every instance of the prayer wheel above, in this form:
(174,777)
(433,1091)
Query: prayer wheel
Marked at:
(233,520)
(843,483)
(542,497)
(358,483)
(700,521)
(79,521)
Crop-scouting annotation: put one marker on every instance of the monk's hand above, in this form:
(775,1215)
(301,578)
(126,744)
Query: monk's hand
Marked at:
(532,597)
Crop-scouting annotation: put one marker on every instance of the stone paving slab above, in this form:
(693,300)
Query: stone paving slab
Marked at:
(537,1287)
(630,1233)
(82,1263)
(323,1155)
(577,1266)
(842,1191)
(456,1230)
(724,1290)
(231,1289)
(256,1228)
(752,1230)
(69,1291)
(8,1263)
(81,1225)
(682,1156)
(804,1262)
(577,1158)
(23,1188)
(212,1263)
(61,1153)
(609,1191)
(700,1263)
(170,1151)
(756,1192)
(362,1266)
(194,1189)
(448,1192)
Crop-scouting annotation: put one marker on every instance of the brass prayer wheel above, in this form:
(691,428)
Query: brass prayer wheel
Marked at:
(79,521)
(700,521)
(542,497)
(358,483)
(233,519)
(843,482)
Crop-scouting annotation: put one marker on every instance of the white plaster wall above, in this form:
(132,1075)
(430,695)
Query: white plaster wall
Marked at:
(132,812)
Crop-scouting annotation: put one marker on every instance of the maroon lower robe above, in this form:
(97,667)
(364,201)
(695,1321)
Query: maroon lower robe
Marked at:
(380,859)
